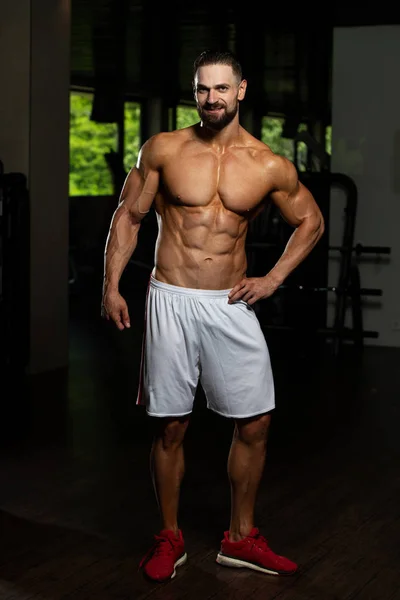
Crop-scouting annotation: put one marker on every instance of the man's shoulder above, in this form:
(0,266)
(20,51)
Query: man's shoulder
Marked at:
(264,153)
(277,161)
(273,161)
(276,167)
(166,143)
(264,157)
(165,139)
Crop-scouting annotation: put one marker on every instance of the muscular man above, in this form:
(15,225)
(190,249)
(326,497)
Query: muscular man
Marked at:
(207,182)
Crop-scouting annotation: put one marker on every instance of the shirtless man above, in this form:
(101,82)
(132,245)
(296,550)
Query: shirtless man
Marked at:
(208,181)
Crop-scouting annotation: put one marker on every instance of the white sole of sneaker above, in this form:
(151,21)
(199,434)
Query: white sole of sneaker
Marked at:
(228,561)
(181,561)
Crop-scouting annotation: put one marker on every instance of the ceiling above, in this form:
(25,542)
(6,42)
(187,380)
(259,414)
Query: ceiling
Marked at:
(137,48)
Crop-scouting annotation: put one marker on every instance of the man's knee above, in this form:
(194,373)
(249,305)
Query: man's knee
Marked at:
(253,430)
(170,432)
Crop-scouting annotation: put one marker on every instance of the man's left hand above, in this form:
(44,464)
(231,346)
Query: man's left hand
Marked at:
(251,289)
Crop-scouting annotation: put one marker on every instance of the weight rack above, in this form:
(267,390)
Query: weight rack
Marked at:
(349,280)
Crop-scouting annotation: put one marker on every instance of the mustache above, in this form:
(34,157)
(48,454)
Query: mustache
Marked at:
(208,106)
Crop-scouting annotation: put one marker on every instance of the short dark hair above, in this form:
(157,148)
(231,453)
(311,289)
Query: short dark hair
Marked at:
(218,57)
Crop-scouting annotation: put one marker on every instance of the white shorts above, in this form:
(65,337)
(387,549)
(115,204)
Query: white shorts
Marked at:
(195,335)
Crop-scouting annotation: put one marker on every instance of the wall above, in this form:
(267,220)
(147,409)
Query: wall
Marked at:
(34,133)
(366,146)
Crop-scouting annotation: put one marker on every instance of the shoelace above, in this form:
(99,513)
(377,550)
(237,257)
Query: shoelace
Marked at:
(158,548)
(260,542)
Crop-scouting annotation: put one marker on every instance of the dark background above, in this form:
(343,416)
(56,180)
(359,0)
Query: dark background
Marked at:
(77,510)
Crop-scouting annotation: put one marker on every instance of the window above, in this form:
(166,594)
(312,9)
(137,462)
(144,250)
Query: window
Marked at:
(132,134)
(90,174)
(89,142)
(328,139)
(186,116)
(271,134)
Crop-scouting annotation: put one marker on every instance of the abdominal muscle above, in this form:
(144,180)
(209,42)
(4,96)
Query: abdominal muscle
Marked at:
(200,247)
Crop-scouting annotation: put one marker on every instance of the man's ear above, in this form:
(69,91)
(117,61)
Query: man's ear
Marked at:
(242,89)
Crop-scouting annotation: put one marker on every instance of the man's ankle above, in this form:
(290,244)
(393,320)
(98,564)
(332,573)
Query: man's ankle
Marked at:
(173,528)
(238,534)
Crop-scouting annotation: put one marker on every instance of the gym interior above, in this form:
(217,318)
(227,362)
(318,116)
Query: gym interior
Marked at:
(84,84)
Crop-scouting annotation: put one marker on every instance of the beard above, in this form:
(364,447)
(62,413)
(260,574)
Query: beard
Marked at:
(217,121)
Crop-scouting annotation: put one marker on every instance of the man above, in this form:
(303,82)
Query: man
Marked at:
(208,181)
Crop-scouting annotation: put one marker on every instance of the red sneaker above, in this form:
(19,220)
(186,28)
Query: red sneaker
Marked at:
(253,552)
(167,553)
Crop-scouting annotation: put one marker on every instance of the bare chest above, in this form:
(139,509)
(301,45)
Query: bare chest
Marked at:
(239,183)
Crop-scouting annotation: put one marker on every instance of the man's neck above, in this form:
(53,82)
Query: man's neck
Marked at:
(223,139)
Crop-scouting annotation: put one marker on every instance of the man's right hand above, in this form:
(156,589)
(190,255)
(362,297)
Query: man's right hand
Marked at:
(114,306)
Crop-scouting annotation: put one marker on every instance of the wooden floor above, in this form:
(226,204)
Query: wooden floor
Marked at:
(77,509)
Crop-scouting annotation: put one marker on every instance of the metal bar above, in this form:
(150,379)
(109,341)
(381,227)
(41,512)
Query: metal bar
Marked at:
(300,288)
(360,249)
(328,331)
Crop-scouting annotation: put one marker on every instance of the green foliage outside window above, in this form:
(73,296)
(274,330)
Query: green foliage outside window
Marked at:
(132,134)
(186,116)
(271,135)
(90,141)
(271,129)
(328,139)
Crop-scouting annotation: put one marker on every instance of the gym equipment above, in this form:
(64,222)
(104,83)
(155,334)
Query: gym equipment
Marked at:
(301,288)
(301,304)
(360,249)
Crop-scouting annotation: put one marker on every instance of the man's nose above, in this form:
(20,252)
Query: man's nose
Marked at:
(212,97)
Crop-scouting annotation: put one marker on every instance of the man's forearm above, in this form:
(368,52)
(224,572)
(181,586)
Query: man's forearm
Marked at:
(300,244)
(120,245)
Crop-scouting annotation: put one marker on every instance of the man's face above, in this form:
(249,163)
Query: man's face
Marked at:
(217,92)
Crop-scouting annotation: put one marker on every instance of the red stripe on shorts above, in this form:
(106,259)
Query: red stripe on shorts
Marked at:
(140,391)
